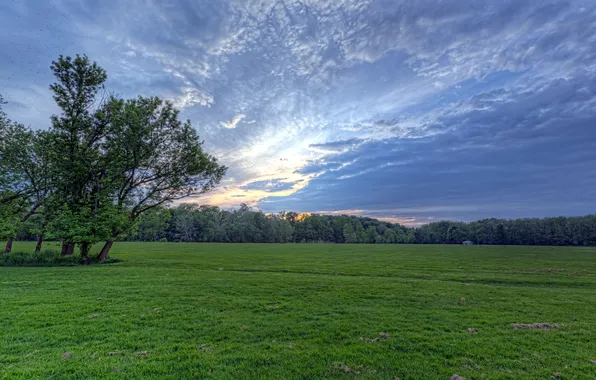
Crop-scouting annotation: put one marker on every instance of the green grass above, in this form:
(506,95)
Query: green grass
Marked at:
(299,312)
(47,258)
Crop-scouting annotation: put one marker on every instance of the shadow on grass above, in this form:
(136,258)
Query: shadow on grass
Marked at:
(48,259)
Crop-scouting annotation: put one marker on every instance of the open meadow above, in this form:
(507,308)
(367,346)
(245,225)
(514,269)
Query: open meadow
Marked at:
(235,311)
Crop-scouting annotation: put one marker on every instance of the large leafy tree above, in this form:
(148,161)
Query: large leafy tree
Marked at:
(77,134)
(151,158)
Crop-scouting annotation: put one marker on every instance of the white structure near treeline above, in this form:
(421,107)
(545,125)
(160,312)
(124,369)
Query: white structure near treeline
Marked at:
(468,242)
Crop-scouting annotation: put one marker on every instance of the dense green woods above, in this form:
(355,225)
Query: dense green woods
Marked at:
(193,223)
(101,165)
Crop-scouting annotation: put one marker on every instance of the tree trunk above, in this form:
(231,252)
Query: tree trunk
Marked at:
(67,249)
(103,254)
(84,249)
(39,243)
(8,248)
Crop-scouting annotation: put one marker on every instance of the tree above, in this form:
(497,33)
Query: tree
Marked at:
(25,169)
(152,226)
(455,234)
(9,191)
(285,231)
(76,137)
(349,234)
(10,188)
(500,237)
(360,233)
(244,224)
(372,236)
(389,236)
(151,159)
(184,221)
(9,222)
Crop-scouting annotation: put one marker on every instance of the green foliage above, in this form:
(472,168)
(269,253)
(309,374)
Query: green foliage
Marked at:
(152,158)
(546,231)
(25,170)
(9,219)
(152,225)
(81,226)
(303,311)
(24,175)
(190,223)
(9,186)
(349,234)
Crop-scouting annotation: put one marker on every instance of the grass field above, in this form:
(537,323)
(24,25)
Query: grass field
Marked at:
(303,312)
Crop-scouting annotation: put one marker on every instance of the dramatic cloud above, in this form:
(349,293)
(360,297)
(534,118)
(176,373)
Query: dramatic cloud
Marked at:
(273,185)
(408,111)
(234,122)
(507,153)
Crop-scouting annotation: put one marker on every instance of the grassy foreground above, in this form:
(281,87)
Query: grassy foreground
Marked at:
(229,311)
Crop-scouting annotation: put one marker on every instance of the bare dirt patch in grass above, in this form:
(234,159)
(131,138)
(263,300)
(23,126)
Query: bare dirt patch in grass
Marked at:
(382,336)
(204,347)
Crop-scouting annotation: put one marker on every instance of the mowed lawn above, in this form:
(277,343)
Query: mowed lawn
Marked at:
(227,311)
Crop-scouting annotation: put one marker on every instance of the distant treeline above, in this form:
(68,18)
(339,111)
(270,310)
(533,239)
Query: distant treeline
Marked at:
(192,223)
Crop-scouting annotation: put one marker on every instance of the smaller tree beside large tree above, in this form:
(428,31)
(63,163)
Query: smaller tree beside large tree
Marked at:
(24,176)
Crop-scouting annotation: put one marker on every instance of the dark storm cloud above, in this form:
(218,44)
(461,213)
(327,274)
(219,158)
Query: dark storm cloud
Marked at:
(508,154)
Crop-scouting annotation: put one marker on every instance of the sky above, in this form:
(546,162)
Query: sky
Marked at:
(408,111)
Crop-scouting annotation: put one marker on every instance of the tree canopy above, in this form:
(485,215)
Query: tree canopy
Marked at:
(194,223)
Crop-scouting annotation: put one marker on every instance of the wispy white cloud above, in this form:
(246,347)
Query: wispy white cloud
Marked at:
(234,122)
(192,97)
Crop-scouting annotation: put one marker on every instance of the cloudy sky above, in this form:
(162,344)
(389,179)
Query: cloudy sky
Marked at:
(412,111)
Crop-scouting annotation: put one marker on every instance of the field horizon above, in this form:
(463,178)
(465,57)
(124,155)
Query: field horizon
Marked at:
(304,311)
